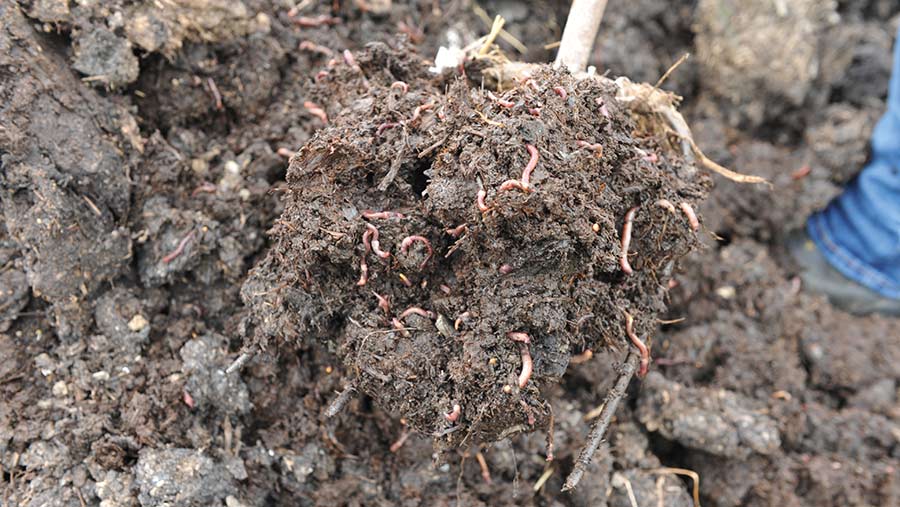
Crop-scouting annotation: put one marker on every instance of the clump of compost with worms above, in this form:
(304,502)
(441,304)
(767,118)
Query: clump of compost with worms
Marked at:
(456,246)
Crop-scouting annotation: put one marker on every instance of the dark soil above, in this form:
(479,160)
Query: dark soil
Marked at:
(142,181)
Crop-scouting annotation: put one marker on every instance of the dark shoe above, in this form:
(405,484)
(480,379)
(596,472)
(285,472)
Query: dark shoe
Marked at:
(819,276)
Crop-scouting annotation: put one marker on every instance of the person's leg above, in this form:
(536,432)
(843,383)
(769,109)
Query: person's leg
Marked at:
(859,232)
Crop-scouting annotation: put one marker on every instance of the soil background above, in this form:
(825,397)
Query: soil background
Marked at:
(130,132)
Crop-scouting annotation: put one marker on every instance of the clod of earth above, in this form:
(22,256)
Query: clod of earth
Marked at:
(416,166)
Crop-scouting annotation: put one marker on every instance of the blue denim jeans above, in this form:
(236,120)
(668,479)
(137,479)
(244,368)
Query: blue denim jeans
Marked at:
(859,231)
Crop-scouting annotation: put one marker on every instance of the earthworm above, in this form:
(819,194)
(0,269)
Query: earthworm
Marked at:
(372,232)
(652,158)
(527,364)
(459,320)
(284,152)
(308,22)
(596,147)
(498,100)
(316,111)
(532,83)
(205,188)
(534,111)
(364,272)
(485,471)
(404,279)
(399,326)
(454,415)
(560,91)
(626,241)
(188,399)
(180,248)
(528,412)
(418,110)
(458,230)
(409,240)
(511,184)
(386,125)
(215,92)
(801,173)
(375,215)
(418,311)
(583,357)
(691,216)
(446,289)
(440,114)
(505,269)
(309,45)
(400,85)
(518,336)
(400,441)
(383,303)
(349,59)
(479,201)
(322,74)
(532,163)
(645,352)
(667,205)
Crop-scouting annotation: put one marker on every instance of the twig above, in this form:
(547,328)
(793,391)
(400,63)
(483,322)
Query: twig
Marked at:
(239,362)
(682,471)
(669,72)
(579,34)
(338,404)
(595,437)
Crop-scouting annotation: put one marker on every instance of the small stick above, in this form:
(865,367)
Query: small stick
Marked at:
(626,241)
(485,471)
(383,303)
(180,248)
(409,240)
(340,402)
(239,362)
(498,100)
(400,85)
(418,311)
(215,92)
(595,437)
(374,215)
(454,415)
(579,34)
(316,111)
(691,216)
(642,348)
(550,435)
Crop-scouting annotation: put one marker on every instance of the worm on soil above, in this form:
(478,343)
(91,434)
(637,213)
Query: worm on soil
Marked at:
(316,111)
(384,126)
(479,201)
(205,188)
(418,111)
(372,232)
(418,311)
(374,215)
(667,205)
(409,240)
(498,100)
(527,365)
(559,90)
(383,303)
(454,415)
(459,320)
(597,148)
(404,434)
(518,336)
(309,45)
(322,74)
(399,326)
(400,85)
(626,241)
(505,269)
(458,230)
(179,249)
(691,216)
(285,152)
(532,163)
(364,272)
(642,348)
(310,22)
(513,184)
